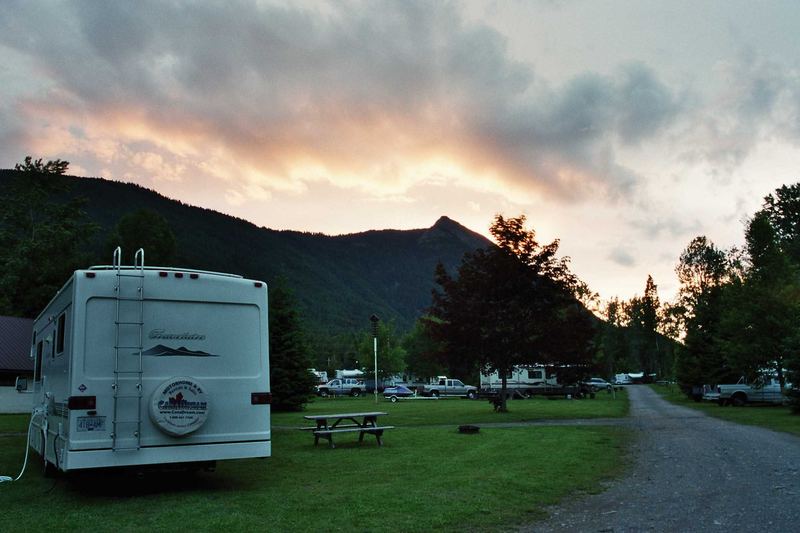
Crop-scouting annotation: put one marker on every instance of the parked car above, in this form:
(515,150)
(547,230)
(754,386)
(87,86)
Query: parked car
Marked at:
(341,387)
(396,392)
(596,384)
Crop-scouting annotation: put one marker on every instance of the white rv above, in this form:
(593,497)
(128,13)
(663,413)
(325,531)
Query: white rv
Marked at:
(151,366)
(527,380)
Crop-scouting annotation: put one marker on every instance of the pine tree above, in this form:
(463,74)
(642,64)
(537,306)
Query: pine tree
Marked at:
(291,382)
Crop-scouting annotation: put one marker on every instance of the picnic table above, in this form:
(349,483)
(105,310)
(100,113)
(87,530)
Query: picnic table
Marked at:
(329,425)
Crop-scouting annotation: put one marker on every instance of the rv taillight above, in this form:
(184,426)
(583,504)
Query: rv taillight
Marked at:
(257,283)
(90,274)
(260,398)
(163,274)
(82,402)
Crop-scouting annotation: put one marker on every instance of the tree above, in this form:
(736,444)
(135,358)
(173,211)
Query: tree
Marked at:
(612,345)
(42,236)
(391,354)
(145,229)
(291,382)
(645,323)
(759,322)
(51,167)
(702,270)
(512,304)
(423,353)
(782,210)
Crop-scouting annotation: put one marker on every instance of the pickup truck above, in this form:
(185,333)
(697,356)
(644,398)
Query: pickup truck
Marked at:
(764,390)
(341,387)
(445,386)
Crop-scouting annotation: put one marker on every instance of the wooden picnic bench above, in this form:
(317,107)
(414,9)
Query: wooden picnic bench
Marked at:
(362,423)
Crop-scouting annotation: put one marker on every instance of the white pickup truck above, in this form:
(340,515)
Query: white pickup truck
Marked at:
(763,390)
(341,387)
(444,386)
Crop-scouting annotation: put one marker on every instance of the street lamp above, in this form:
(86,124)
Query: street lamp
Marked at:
(374,319)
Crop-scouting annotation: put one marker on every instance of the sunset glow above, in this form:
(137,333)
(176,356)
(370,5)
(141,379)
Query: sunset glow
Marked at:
(624,129)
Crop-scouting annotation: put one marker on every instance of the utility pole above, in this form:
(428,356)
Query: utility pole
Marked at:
(374,319)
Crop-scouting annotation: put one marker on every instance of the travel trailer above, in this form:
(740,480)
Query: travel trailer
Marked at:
(355,374)
(527,380)
(151,366)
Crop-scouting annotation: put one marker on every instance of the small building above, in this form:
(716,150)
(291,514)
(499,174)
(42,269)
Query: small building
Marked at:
(15,349)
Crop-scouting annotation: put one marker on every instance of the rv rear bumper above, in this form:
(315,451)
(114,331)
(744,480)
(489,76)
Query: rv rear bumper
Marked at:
(83,459)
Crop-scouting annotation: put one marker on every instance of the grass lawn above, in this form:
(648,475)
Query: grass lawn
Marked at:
(461,411)
(426,476)
(775,417)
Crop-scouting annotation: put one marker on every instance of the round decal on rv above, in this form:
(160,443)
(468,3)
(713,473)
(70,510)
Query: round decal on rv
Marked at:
(179,406)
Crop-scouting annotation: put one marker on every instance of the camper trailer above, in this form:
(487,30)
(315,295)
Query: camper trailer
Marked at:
(527,380)
(151,366)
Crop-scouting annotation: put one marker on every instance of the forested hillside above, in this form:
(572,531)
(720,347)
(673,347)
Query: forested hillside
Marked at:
(338,281)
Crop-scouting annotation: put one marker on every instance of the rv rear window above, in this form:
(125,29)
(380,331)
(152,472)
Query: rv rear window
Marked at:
(60,335)
(39,353)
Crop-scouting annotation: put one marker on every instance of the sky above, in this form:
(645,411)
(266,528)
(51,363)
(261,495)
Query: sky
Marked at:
(622,128)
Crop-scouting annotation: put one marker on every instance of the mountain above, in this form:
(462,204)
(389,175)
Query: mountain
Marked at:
(338,281)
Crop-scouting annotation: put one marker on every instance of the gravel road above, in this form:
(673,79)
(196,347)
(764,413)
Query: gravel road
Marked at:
(692,472)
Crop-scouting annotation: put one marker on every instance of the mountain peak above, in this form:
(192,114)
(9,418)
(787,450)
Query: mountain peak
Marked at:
(446,229)
(447,222)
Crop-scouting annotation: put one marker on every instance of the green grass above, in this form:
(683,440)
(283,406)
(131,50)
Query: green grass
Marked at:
(460,411)
(427,476)
(14,423)
(775,417)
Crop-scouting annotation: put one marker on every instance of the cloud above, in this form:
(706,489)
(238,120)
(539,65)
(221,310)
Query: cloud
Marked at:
(373,95)
(751,99)
(671,225)
(622,257)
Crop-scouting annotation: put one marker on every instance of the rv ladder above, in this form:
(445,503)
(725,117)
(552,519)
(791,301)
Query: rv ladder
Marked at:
(129,327)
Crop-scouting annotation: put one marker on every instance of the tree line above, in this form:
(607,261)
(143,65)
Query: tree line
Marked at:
(738,309)
(513,303)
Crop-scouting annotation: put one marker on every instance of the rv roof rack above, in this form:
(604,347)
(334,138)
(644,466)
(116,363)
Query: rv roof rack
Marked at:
(164,269)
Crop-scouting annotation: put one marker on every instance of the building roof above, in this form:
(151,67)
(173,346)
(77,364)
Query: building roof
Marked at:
(15,344)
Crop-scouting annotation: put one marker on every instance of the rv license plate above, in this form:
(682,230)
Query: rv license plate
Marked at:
(91,423)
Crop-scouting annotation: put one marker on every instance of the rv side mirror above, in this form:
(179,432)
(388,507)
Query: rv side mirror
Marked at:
(21,384)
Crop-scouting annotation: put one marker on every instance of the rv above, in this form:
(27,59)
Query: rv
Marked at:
(143,366)
(527,380)
(355,374)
